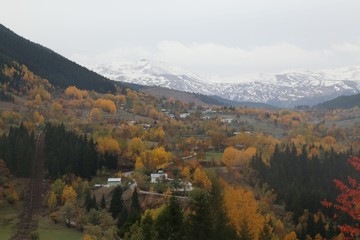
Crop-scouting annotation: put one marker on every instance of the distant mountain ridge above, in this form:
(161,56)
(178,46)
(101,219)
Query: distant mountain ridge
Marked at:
(341,102)
(282,90)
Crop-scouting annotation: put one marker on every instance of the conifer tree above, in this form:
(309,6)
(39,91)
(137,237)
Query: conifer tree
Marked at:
(200,220)
(169,223)
(103,202)
(117,203)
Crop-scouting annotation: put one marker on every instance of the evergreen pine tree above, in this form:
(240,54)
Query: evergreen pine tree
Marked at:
(147,226)
(103,202)
(94,203)
(117,203)
(200,220)
(169,223)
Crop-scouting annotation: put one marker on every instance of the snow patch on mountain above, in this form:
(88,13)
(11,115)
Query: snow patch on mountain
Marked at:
(285,89)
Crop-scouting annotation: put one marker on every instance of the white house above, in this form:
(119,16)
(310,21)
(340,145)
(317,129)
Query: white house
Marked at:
(227,120)
(113,182)
(159,176)
(184,115)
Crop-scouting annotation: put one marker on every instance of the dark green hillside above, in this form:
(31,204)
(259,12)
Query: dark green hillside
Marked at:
(341,102)
(48,64)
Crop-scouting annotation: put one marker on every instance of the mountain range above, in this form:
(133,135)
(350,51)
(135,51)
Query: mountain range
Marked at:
(287,89)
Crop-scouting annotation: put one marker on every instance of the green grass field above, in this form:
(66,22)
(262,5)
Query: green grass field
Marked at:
(8,220)
(216,156)
(51,231)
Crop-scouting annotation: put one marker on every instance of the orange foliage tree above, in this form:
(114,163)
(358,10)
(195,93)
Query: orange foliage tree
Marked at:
(241,207)
(108,144)
(156,158)
(348,201)
(201,179)
(233,157)
(106,105)
(135,148)
(96,115)
(74,92)
(68,194)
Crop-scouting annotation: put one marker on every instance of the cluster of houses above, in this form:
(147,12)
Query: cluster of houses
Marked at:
(159,176)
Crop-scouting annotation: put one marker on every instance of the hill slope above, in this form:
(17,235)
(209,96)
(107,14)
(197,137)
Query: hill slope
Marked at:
(48,64)
(341,102)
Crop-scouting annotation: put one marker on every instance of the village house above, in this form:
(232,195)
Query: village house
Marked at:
(158,176)
(113,182)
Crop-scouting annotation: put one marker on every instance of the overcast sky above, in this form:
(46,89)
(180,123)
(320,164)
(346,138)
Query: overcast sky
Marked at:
(208,37)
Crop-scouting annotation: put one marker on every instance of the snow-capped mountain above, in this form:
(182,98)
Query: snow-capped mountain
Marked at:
(284,90)
(151,73)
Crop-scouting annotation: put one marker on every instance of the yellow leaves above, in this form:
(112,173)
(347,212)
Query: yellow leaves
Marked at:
(30,127)
(9,71)
(108,144)
(96,115)
(168,191)
(42,92)
(291,236)
(201,179)
(328,140)
(68,194)
(120,99)
(73,92)
(157,134)
(87,237)
(38,118)
(10,117)
(155,158)
(12,197)
(154,213)
(138,164)
(56,107)
(37,100)
(106,105)
(131,94)
(233,157)
(135,147)
(51,202)
(186,173)
(241,206)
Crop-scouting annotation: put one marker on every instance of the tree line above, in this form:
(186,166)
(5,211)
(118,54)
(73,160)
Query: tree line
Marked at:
(17,150)
(301,181)
(67,152)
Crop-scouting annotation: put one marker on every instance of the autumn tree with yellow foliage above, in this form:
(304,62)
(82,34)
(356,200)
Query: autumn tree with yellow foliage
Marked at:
(68,194)
(108,144)
(106,105)
(201,179)
(156,158)
(234,157)
(241,206)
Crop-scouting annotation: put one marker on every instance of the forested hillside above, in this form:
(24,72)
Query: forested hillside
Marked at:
(341,102)
(48,64)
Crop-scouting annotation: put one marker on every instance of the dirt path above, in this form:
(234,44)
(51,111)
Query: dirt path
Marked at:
(34,194)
